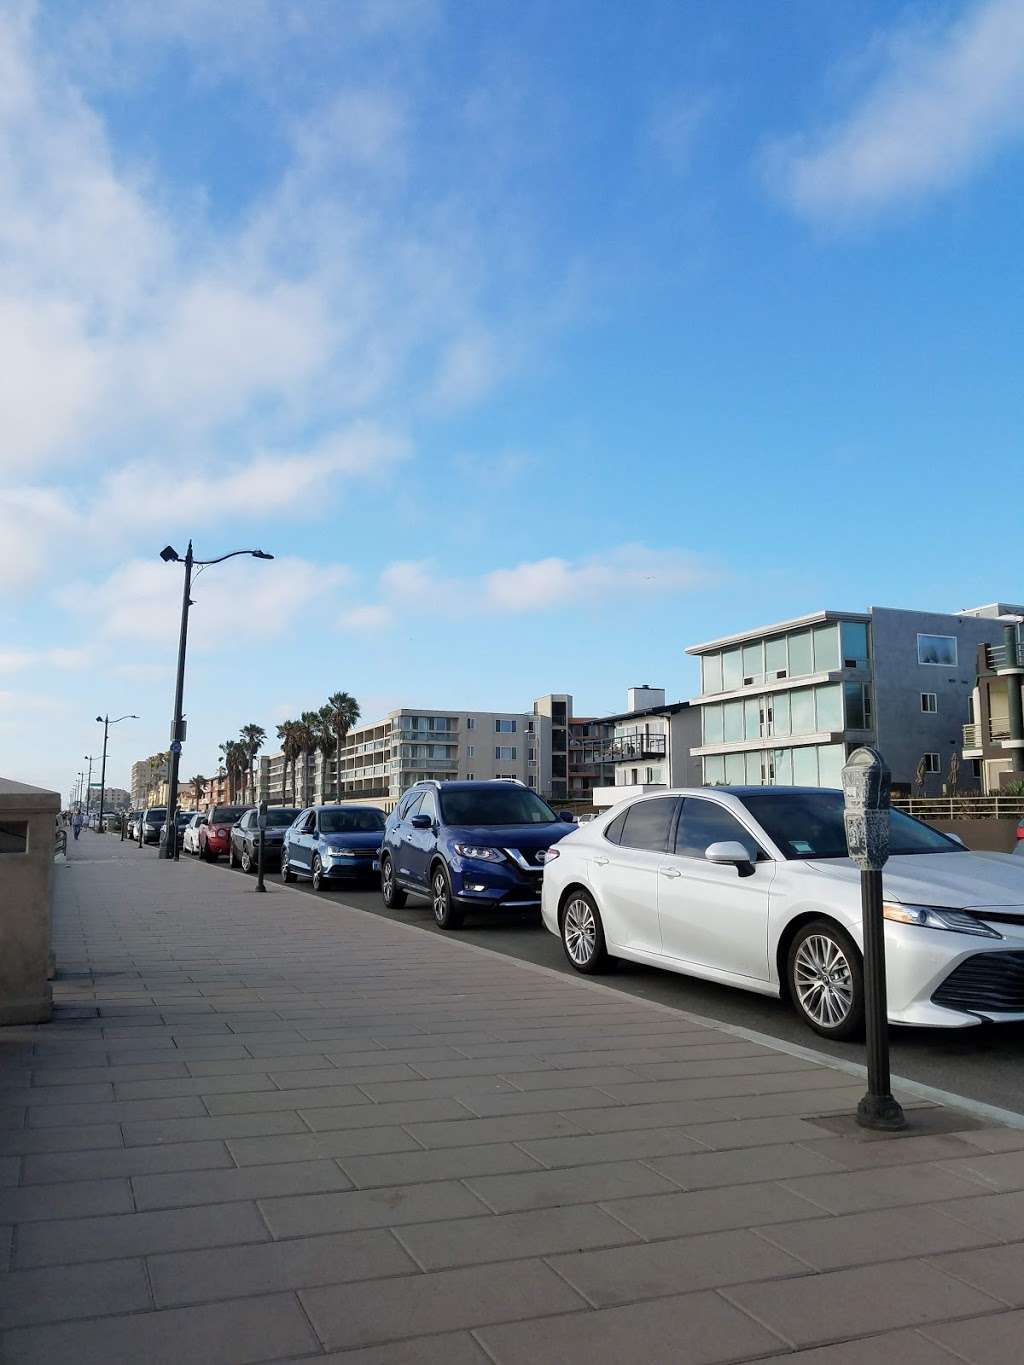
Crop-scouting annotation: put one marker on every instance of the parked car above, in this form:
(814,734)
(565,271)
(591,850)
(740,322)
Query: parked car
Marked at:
(134,817)
(182,819)
(243,845)
(753,887)
(332,843)
(469,846)
(1019,845)
(215,835)
(190,838)
(149,824)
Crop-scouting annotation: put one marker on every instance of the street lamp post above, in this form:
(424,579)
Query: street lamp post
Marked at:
(88,790)
(170,556)
(106,722)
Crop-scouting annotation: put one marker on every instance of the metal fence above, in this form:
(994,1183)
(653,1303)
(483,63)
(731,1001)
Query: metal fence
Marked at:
(961,807)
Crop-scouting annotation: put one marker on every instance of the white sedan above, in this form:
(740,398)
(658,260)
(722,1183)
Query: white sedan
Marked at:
(190,839)
(752,887)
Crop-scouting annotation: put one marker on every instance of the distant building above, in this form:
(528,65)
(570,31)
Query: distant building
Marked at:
(149,782)
(993,739)
(785,704)
(648,747)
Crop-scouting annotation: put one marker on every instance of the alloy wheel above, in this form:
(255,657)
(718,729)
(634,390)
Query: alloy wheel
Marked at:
(579,931)
(246,860)
(823,980)
(440,897)
(318,872)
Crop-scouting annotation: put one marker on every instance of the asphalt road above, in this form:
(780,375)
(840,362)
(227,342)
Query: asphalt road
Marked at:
(984,1063)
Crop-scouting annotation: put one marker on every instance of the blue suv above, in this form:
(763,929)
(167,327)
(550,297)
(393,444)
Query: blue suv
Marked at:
(467,846)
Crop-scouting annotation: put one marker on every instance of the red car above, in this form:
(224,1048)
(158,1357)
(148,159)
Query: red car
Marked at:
(215,835)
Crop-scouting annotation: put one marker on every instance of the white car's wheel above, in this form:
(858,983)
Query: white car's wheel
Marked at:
(582,934)
(826,980)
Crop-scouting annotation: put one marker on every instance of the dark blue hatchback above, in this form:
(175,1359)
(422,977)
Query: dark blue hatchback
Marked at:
(332,843)
(468,846)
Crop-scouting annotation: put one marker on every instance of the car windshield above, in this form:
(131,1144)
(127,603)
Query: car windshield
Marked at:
(279,817)
(183,817)
(351,821)
(498,805)
(226,815)
(810,825)
(154,817)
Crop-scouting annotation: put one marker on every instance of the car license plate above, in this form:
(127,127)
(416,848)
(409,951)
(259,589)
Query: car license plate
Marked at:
(375,867)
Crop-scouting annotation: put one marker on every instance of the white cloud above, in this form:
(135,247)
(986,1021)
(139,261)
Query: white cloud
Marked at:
(944,103)
(67,660)
(375,617)
(469,368)
(676,125)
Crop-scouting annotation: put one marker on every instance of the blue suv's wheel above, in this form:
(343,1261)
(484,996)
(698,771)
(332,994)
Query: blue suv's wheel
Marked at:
(391,893)
(446,915)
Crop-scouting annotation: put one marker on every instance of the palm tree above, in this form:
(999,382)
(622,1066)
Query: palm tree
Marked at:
(342,713)
(235,762)
(306,728)
(198,785)
(252,737)
(287,733)
(324,740)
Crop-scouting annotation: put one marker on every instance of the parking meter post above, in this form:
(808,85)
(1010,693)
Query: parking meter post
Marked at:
(866,794)
(262,822)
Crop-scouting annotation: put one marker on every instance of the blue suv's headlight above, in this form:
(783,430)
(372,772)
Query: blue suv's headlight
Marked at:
(480,852)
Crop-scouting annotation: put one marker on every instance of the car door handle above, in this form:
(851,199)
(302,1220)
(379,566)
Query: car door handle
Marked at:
(670,871)
(600,862)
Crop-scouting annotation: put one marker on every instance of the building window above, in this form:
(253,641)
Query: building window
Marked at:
(931,763)
(776,659)
(505,727)
(937,649)
(529,727)
(929,702)
(650,775)
(712,717)
(732,669)
(854,641)
(711,673)
(504,752)
(470,750)
(976,768)
(470,723)
(801,654)
(858,706)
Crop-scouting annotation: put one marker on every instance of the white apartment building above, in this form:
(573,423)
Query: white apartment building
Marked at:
(649,747)
(382,758)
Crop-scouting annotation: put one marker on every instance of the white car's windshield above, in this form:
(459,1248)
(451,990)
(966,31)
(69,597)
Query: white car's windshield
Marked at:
(810,825)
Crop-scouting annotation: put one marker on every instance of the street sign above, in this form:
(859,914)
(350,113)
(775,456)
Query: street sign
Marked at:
(175,746)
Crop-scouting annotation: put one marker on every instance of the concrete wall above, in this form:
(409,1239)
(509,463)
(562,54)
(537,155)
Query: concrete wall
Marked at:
(26,905)
(990,836)
(905,732)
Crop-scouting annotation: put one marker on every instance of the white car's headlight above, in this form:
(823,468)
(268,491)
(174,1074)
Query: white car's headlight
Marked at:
(937,917)
(480,852)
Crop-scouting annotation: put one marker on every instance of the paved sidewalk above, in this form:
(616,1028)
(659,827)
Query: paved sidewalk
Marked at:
(267,1128)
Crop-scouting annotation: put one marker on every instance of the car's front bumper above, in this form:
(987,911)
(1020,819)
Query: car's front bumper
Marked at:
(940,979)
(348,869)
(497,886)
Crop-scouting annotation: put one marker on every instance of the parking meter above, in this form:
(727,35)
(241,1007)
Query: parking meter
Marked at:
(866,804)
(261,822)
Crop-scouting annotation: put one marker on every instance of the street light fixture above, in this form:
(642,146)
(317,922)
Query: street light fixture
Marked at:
(106,722)
(170,556)
(88,790)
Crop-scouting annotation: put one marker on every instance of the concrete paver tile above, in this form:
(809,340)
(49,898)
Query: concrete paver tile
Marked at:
(849,1303)
(853,1239)
(696,1329)
(241,1332)
(737,1133)
(841,1100)
(854,1191)
(995,1139)
(10,1170)
(732,1206)
(49,1076)
(233,1272)
(369,1115)
(857,1155)
(65,1241)
(537,1101)
(406,1168)
(72,1291)
(998,1271)
(449,1348)
(343,1142)
(513,1128)
(671,1114)
(192,1085)
(6,1245)
(301,1079)
(509,1236)
(637,1144)
(587,1185)
(660,1269)
(74,1199)
(346,1315)
(116,1111)
(999,1171)
(907,1347)
(739,1165)
(106,1162)
(266,1101)
(181,1189)
(158,1131)
(305,1215)
(991,1340)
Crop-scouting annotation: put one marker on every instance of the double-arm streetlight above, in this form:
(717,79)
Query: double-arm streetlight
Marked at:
(106,722)
(170,555)
(88,790)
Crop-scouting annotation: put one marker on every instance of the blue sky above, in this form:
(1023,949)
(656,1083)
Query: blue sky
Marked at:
(536,341)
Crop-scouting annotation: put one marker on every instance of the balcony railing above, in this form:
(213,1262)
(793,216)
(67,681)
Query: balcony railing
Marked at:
(1005,656)
(622,749)
(975,735)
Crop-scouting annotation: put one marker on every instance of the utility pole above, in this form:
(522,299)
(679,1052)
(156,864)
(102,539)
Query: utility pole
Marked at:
(88,790)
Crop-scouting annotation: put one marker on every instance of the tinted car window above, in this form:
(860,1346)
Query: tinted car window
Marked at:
(810,825)
(280,816)
(156,815)
(225,815)
(705,822)
(428,806)
(648,824)
(413,806)
(351,821)
(500,804)
(614,831)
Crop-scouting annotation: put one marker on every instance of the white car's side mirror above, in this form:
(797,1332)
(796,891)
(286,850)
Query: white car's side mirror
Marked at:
(727,851)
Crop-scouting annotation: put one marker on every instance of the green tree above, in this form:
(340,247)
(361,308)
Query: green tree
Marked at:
(287,733)
(198,785)
(341,713)
(251,738)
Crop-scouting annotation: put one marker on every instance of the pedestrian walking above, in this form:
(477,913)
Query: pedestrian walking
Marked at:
(76,824)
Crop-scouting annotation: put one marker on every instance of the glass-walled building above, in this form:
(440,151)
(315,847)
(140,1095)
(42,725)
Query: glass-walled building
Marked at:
(782,705)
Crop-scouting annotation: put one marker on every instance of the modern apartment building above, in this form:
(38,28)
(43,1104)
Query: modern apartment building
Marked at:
(381,759)
(577,763)
(647,746)
(149,781)
(993,739)
(785,704)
